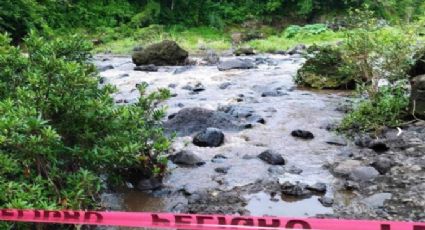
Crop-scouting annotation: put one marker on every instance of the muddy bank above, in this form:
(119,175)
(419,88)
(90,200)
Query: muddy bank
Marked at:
(256,109)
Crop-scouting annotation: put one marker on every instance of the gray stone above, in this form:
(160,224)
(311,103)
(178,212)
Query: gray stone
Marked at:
(182,69)
(219,158)
(345,167)
(211,58)
(326,201)
(146,68)
(377,200)
(382,164)
(317,187)
(187,158)
(224,85)
(273,93)
(235,64)
(364,174)
(272,157)
(211,137)
(102,68)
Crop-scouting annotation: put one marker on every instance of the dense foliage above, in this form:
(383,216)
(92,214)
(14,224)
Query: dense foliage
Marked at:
(59,132)
(18,16)
(325,67)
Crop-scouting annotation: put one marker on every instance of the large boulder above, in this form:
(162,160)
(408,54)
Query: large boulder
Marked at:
(417,98)
(190,120)
(160,54)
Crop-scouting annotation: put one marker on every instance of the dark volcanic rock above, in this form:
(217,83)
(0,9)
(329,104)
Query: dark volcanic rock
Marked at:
(146,68)
(211,137)
(326,201)
(160,54)
(190,120)
(417,97)
(318,187)
(302,134)
(273,93)
(224,85)
(382,164)
(235,64)
(222,170)
(149,184)
(298,189)
(102,68)
(187,158)
(272,157)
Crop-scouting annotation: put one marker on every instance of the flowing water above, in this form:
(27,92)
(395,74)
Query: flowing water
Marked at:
(295,109)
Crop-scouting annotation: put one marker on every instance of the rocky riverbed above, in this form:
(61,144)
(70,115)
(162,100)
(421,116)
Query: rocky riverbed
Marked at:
(250,142)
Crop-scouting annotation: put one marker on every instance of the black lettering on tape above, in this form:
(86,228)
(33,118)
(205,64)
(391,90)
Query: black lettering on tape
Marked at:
(98,216)
(56,214)
(68,216)
(221,220)
(180,219)
(245,221)
(419,227)
(157,220)
(11,213)
(201,219)
(385,227)
(294,223)
(263,223)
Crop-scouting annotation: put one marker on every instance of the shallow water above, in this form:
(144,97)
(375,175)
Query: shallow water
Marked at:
(299,109)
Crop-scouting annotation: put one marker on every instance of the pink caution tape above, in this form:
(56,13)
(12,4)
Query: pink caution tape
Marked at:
(195,221)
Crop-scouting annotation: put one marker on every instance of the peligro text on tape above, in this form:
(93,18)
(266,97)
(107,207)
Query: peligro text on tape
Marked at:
(195,222)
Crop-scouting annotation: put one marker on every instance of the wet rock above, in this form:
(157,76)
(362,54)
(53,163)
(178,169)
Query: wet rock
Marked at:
(146,68)
(344,168)
(244,51)
(190,120)
(237,111)
(224,85)
(182,69)
(235,64)
(276,169)
(186,158)
(338,141)
(249,157)
(298,189)
(110,201)
(378,146)
(364,174)
(351,185)
(417,97)
(172,85)
(222,170)
(211,137)
(317,187)
(273,93)
(160,54)
(382,165)
(272,157)
(103,68)
(265,61)
(294,170)
(377,200)
(326,201)
(219,158)
(149,184)
(211,58)
(198,88)
(303,134)
(298,49)
(228,202)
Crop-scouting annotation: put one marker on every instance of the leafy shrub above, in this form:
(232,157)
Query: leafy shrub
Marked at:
(383,109)
(325,68)
(312,29)
(59,131)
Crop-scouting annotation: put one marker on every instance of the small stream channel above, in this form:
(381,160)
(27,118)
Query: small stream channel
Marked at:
(291,109)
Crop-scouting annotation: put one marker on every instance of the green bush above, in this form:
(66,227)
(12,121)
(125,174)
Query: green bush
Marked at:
(312,29)
(325,68)
(381,110)
(59,131)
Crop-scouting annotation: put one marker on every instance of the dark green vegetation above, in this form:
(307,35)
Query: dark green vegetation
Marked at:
(59,132)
